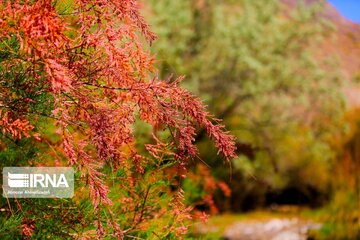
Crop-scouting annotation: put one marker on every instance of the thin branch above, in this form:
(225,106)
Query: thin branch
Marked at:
(107,87)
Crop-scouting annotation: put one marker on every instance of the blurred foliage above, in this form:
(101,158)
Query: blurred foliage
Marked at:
(254,64)
(257,65)
(342,216)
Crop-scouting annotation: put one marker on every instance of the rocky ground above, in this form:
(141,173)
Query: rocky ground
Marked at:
(274,229)
(265,229)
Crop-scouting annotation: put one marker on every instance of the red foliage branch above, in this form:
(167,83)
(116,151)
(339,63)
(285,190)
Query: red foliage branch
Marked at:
(99,75)
(17,128)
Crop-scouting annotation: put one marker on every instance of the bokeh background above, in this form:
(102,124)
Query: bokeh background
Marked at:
(284,77)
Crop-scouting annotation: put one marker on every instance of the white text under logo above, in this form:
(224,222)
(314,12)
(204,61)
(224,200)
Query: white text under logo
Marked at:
(38,182)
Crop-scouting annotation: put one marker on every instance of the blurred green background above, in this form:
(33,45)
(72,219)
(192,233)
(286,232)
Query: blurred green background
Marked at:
(283,76)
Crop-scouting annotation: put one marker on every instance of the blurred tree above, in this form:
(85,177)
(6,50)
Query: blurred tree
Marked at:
(254,64)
